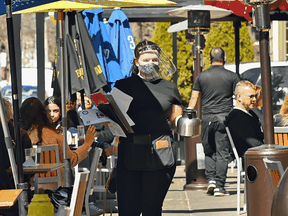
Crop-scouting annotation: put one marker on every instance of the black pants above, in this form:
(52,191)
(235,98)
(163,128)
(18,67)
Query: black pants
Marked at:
(216,148)
(141,191)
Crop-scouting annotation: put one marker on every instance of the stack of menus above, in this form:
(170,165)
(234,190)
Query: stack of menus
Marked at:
(108,106)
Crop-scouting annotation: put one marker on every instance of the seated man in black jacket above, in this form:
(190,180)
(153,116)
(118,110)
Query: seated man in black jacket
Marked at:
(104,134)
(243,123)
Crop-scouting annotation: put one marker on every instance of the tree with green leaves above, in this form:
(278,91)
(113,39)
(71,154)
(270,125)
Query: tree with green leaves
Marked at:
(184,57)
(222,35)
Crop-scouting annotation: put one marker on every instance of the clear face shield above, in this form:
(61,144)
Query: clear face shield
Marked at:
(154,64)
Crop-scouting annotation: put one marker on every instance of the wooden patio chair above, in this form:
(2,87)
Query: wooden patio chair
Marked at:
(50,155)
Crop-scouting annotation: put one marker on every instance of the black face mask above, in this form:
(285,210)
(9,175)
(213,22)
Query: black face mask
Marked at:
(149,71)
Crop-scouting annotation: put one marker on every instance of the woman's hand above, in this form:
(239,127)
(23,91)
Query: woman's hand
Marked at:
(90,134)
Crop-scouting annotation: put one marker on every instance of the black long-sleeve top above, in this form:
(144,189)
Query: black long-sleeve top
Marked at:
(245,130)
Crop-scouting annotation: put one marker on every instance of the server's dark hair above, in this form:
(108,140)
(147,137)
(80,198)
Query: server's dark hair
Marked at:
(217,54)
(134,70)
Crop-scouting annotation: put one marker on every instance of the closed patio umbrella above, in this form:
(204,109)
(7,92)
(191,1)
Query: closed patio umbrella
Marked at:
(122,40)
(102,45)
(84,71)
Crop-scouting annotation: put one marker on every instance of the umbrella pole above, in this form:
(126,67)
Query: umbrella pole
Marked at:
(23,198)
(8,142)
(67,168)
(82,101)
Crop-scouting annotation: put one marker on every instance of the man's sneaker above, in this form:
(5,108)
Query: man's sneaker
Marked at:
(94,210)
(210,187)
(220,192)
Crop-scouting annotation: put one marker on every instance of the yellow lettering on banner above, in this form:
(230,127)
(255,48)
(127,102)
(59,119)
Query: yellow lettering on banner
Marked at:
(75,45)
(80,60)
(54,75)
(98,70)
(80,73)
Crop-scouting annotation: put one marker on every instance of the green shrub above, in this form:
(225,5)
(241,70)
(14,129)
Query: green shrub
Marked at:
(222,35)
(184,57)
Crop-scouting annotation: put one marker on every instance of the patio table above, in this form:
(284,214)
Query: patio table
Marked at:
(41,168)
(9,197)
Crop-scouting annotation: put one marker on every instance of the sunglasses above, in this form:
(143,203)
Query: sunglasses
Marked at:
(251,96)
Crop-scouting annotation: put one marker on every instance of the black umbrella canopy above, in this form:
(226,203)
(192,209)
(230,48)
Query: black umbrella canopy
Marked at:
(81,63)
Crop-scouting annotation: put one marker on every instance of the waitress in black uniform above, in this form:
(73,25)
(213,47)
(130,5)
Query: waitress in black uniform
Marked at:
(147,157)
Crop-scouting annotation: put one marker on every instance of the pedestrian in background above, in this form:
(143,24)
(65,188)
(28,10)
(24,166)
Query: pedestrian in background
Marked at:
(215,86)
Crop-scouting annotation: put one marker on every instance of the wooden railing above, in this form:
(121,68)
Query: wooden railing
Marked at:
(281,136)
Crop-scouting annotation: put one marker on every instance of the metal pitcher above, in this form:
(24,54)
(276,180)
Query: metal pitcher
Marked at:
(189,125)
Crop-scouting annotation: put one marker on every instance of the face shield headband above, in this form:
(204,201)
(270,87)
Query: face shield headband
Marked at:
(155,64)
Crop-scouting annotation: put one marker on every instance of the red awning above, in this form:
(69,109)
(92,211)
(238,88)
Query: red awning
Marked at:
(239,8)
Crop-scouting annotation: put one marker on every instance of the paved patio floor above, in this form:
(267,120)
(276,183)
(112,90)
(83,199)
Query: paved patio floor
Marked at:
(196,203)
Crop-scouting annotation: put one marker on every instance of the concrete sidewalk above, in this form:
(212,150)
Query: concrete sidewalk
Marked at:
(193,203)
(179,202)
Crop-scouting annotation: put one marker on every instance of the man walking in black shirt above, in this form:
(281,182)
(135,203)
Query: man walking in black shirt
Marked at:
(216,86)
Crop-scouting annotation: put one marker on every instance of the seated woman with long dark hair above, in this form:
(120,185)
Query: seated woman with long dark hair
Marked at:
(53,106)
(41,131)
(54,109)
